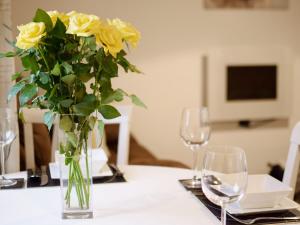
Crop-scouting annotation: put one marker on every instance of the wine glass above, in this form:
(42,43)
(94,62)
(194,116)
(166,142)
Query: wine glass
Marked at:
(7,136)
(195,132)
(224,176)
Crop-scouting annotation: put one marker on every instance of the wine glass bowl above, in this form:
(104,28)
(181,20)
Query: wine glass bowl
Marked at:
(224,175)
(8,123)
(195,133)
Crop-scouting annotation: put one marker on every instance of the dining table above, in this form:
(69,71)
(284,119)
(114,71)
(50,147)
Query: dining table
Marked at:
(151,195)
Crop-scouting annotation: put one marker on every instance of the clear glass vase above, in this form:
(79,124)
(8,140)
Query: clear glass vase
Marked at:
(75,165)
(76,186)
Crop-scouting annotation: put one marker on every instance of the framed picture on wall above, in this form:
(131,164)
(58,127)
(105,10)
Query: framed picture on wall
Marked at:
(246,4)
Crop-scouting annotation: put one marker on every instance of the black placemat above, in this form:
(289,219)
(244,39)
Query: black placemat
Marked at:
(20,184)
(115,178)
(216,210)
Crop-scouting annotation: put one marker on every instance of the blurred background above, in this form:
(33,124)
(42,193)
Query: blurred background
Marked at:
(178,37)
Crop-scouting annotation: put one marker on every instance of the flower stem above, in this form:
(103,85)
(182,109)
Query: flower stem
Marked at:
(43,56)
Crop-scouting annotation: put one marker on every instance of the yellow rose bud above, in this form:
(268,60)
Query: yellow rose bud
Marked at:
(30,35)
(110,38)
(62,16)
(129,32)
(83,25)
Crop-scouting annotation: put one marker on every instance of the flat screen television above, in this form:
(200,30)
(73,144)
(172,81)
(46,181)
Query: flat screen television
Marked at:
(247,83)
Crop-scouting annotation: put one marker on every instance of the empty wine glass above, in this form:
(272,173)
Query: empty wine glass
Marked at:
(224,175)
(195,132)
(7,136)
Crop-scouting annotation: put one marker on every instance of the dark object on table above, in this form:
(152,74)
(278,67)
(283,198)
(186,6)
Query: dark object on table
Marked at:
(276,171)
(20,184)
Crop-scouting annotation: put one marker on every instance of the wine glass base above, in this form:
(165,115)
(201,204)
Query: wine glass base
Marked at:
(7,182)
(190,183)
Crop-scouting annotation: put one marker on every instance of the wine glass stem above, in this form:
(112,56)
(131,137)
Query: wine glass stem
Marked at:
(223,214)
(2,159)
(195,163)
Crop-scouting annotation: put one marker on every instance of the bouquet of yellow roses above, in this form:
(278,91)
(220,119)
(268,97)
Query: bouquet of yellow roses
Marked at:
(62,53)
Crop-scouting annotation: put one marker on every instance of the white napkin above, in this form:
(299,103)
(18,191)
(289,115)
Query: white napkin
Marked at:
(99,164)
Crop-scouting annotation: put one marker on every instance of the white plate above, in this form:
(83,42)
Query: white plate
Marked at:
(54,171)
(284,204)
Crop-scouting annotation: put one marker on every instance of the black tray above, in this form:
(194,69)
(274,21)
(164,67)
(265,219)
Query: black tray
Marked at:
(216,211)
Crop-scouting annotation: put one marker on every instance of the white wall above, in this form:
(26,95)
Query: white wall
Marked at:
(174,34)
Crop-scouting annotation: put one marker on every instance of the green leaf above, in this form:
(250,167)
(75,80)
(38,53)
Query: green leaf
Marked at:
(27,93)
(44,77)
(90,42)
(89,98)
(123,62)
(84,108)
(69,79)
(92,122)
(80,91)
(29,62)
(67,67)
(72,138)
(15,90)
(111,68)
(53,91)
(56,70)
(87,106)
(109,112)
(101,127)
(116,95)
(86,77)
(16,76)
(59,29)
(66,103)
(134,69)
(135,100)
(70,46)
(42,16)
(83,71)
(49,119)
(65,123)
(100,56)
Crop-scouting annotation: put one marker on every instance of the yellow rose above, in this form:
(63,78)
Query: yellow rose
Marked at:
(110,38)
(72,13)
(129,32)
(83,25)
(62,16)
(30,35)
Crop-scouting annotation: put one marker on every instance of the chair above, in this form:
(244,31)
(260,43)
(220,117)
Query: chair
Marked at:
(36,116)
(32,116)
(292,163)
(124,133)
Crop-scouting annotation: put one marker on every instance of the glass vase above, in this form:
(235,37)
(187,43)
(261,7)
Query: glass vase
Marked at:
(75,166)
(76,186)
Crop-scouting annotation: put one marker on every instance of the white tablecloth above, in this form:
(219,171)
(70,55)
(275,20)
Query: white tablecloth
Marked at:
(151,195)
